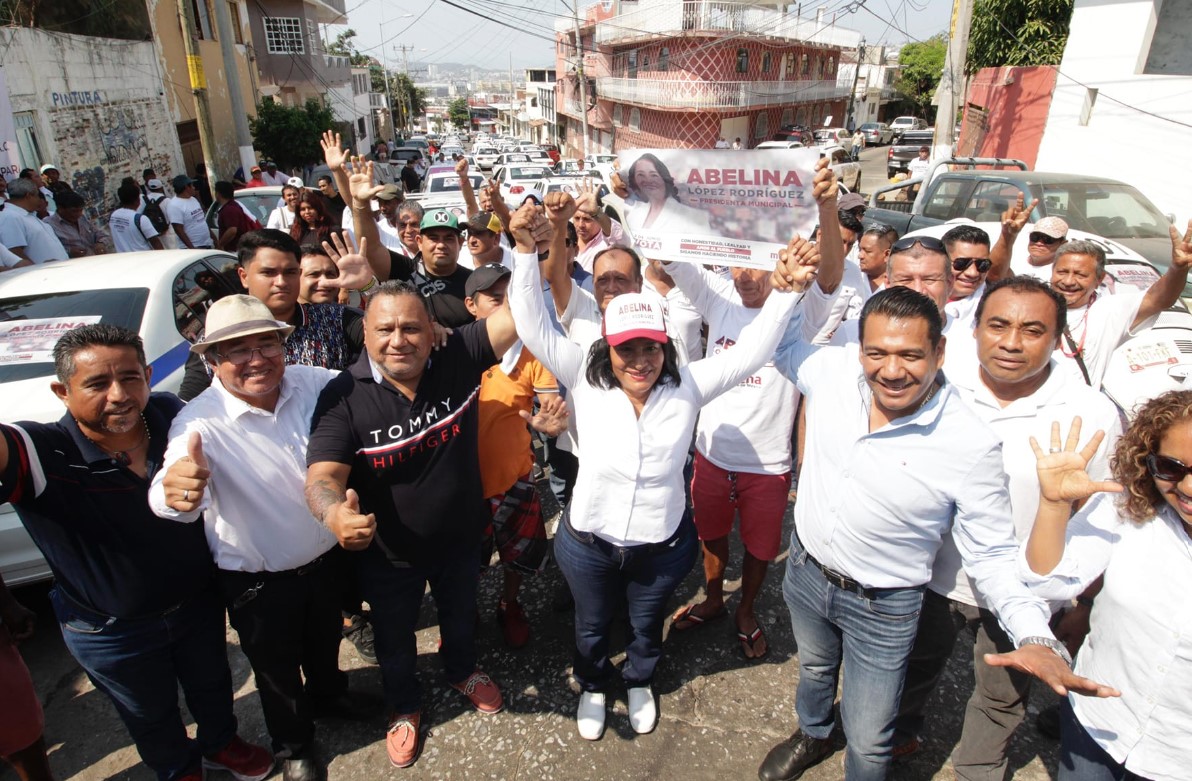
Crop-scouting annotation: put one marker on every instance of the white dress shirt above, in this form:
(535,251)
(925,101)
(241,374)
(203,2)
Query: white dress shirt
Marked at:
(1141,634)
(1060,399)
(256,516)
(875,506)
(22,228)
(748,429)
(630,485)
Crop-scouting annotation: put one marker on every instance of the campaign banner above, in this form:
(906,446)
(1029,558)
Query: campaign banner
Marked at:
(719,207)
(32,341)
(10,153)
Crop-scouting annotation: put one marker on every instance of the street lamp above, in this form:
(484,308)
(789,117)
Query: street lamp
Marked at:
(579,73)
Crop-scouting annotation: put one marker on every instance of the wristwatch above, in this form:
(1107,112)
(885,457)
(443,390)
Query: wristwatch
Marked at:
(1048,642)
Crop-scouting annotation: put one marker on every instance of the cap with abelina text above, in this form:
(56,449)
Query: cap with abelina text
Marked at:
(634,316)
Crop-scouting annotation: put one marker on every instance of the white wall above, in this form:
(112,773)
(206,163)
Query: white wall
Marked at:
(1108,47)
(98,106)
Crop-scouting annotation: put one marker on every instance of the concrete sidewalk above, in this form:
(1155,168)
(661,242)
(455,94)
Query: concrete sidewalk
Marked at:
(719,713)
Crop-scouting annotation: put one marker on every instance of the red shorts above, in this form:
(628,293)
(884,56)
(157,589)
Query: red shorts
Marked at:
(717,495)
(21,718)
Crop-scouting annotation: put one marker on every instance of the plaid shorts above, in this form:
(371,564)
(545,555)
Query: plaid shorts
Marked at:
(518,531)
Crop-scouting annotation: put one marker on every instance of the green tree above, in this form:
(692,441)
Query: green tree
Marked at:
(342,46)
(458,113)
(1017,32)
(920,66)
(289,135)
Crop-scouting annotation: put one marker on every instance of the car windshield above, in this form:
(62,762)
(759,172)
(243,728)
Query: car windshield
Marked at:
(444,184)
(527,173)
(30,325)
(1115,211)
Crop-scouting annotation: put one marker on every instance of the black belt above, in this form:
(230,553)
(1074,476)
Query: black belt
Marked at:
(305,569)
(841,582)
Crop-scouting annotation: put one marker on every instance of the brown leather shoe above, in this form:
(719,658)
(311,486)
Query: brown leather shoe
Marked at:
(404,739)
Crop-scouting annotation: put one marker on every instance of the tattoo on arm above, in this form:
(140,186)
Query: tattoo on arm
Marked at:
(322,495)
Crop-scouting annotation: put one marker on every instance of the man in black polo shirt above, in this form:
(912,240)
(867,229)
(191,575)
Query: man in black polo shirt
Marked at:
(135,593)
(394,472)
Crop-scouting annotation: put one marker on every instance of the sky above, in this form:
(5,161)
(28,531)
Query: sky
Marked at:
(441,33)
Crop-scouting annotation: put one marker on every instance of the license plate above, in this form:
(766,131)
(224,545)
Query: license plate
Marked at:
(1142,357)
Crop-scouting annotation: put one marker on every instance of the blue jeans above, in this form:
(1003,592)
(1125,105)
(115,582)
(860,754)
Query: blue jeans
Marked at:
(395,597)
(873,638)
(1081,759)
(139,664)
(602,576)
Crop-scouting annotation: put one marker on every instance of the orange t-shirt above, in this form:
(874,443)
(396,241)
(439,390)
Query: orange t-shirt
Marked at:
(505,452)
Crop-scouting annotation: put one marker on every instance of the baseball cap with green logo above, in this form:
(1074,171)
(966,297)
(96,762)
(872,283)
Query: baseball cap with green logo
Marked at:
(440,218)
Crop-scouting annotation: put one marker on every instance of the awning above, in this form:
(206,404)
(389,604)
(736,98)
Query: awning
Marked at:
(537,122)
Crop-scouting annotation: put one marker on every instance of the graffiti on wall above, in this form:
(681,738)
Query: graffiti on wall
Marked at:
(125,140)
(89,183)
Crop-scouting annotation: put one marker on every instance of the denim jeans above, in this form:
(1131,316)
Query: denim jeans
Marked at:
(603,576)
(1081,758)
(872,637)
(139,664)
(394,595)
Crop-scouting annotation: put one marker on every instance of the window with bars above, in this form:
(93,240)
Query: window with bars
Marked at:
(788,117)
(742,60)
(767,62)
(312,34)
(202,20)
(234,15)
(617,115)
(664,59)
(635,119)
(284,35)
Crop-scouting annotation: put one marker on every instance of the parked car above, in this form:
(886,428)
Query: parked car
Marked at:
(486,156)
(164,296)
(600,159)
(847,169)
(512,158)
(518,179)
(903,124)
(877,133)
(552,152)
(1149,363)
(567,184)
(827,136)
(448,181)
(1098,205)
(260,201)
(803,135)
(906,149)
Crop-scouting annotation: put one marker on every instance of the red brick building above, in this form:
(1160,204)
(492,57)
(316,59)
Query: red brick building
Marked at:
(685,73)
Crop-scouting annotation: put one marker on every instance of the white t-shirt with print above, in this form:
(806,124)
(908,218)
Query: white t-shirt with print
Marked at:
(126,237)
(188,213)
(1098,329)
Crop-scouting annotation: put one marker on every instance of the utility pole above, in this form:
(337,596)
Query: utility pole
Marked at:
(583,80)
(951,87)
(223,23)
(198,86)
(406,102)
(856,76)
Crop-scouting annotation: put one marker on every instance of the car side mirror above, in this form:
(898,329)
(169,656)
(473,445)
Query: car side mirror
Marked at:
(1170,217)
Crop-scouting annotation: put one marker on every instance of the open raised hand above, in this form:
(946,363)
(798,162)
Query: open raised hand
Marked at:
(360,180)
(354,271)
(1061,470)
(334,153)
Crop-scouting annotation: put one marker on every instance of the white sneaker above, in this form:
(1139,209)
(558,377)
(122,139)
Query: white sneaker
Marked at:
(589,718)
(643,711)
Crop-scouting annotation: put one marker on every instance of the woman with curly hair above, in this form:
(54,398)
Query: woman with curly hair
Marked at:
(1141,637)
(312,224)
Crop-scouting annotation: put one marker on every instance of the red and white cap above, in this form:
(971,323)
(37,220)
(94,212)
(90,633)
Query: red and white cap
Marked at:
(634,316)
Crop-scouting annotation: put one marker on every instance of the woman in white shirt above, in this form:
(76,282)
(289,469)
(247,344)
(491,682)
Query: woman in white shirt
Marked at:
(1141,622)
(626,536)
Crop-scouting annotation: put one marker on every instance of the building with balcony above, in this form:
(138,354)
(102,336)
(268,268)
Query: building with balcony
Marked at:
(292,65)
(370,120)
(871,84)
(666,73)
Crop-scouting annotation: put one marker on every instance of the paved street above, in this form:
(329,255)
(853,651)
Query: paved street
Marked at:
(873,169)
(719,713)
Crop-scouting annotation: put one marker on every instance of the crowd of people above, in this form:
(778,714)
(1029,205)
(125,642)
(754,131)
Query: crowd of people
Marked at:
(323,457)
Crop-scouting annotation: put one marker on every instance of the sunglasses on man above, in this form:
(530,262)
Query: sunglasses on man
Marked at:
(929,243)
(1038,237)
(960,264)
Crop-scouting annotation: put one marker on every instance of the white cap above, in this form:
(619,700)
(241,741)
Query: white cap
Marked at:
(634,316)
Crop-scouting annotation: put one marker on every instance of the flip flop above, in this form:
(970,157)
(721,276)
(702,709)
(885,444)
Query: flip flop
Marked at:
(749,643)
(693,621)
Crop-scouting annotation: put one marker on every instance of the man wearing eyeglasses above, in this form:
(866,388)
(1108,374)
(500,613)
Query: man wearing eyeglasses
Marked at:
(1019,390)
(968,251)
(279,569)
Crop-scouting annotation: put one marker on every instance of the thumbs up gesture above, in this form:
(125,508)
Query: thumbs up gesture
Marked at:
(353,530)
(186,479)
